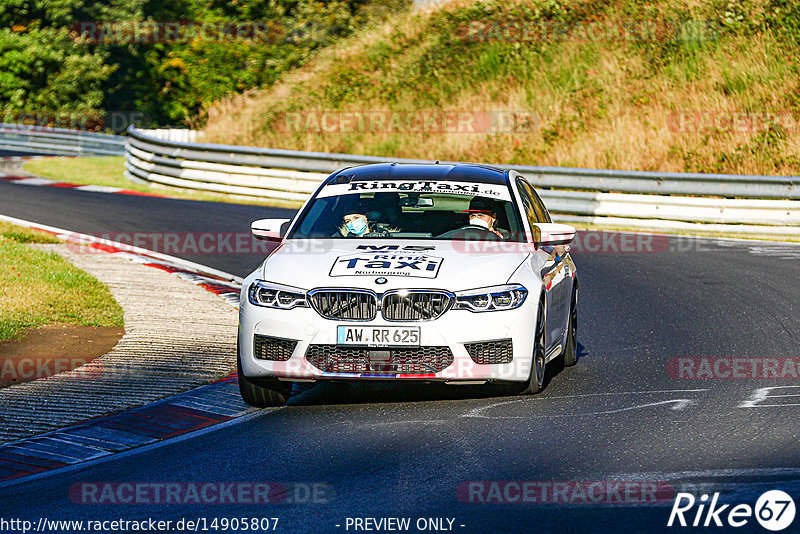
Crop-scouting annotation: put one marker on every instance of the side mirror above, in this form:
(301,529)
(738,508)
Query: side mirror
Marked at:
(269,229)
(552,234)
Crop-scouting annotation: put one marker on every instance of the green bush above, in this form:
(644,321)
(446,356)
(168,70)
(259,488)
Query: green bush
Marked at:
(48,66)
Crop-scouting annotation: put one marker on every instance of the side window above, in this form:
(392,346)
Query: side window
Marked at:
(539,211)
(540,206)
(527,203)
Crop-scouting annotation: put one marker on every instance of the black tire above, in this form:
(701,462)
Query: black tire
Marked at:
(570,356)
(535,382)
(538,365)
(261,392)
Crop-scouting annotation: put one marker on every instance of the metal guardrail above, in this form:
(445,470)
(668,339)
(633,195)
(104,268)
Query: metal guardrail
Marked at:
(667,183)
(59,142)
(719,202)
(684,201)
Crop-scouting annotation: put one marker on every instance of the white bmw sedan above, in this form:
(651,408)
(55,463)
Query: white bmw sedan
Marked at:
(441,273)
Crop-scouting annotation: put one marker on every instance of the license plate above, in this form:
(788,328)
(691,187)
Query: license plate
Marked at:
(378,336)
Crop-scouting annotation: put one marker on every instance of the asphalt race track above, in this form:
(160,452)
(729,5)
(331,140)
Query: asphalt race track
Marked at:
(389,451)
(9,153)
(101,213)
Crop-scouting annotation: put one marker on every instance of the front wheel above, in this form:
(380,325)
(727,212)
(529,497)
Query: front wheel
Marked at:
(261,392)
(538,365)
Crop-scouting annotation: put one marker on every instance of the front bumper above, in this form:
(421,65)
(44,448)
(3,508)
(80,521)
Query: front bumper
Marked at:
(453,330)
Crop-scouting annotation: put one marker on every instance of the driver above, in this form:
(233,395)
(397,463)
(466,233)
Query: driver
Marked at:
(483,212)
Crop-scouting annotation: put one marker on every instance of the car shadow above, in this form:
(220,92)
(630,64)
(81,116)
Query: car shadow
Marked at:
(365,392)
(581,351)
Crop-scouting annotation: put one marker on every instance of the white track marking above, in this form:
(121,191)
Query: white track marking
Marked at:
(773,249)
(76,236)
(762,394)
(477,412)
(99,188)
(788,472)
(34,181)
(679,404)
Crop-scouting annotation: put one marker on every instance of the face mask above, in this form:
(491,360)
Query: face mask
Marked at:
(357,226)
(477,221)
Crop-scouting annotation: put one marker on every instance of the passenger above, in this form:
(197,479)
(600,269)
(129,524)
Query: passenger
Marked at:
(355,225)
(358,224)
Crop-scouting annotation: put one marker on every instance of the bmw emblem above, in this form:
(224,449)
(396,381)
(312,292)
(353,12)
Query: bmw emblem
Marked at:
(381,280)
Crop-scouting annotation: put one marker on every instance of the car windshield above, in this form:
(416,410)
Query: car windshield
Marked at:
(408,210)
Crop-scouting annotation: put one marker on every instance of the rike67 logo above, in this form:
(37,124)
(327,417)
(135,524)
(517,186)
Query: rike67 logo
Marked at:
(774,510)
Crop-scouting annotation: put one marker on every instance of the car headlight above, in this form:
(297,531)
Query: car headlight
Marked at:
(506,297)
(269,295)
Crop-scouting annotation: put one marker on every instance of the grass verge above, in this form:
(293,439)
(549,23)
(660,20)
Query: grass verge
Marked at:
(39,288)
(702,86)
(108,171)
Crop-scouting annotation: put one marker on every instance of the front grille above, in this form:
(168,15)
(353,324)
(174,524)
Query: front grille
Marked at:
(486,352)
(413,361)
(415,305)
(273,348)
(345,304)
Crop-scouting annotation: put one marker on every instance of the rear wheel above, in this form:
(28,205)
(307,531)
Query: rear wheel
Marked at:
(261,392)
(571,350)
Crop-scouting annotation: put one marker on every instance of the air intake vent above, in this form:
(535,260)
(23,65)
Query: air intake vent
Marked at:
(273,348)
(416,361)
(486,352)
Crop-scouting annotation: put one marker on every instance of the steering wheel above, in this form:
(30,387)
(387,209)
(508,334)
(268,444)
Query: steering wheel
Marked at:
(469,228)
